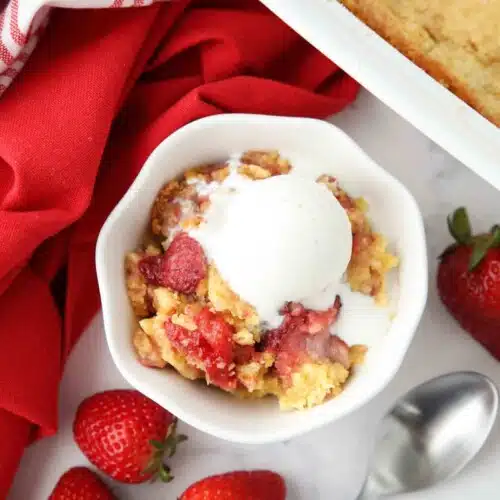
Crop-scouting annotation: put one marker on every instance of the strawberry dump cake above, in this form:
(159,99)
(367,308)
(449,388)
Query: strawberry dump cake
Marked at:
(246,278)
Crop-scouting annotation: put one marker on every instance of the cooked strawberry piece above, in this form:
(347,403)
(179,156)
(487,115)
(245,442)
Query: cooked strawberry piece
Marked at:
(292,351)
(293,309)
(243,354)
(151,267)
(209,347)
(185,264)
(217,332)
(274,338)
(298,319)
(325,345)
(304,335)
(319,321)
(220,373)
(339,351)
(190,343)
(181,268)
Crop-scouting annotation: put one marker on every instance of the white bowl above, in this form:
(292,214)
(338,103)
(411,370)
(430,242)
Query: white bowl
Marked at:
(393,211)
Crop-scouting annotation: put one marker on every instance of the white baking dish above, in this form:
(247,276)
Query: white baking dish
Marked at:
(393,211)
(396,81)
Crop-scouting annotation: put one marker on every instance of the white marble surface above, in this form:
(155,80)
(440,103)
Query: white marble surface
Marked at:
(329,463)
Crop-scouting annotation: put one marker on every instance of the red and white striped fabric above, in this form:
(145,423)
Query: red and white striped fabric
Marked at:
(23,21)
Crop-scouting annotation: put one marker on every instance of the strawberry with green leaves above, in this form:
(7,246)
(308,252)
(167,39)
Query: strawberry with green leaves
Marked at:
(468,280)
(126,435)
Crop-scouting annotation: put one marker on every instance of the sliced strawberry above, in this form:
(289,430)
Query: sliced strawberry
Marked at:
(181,268)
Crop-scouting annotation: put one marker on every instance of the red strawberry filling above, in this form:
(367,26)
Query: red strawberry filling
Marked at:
(180,268)
(304,335)
(151,268)
(244,354)
(210,347)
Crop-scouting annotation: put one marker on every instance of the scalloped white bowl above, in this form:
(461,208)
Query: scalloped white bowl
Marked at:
(393,211)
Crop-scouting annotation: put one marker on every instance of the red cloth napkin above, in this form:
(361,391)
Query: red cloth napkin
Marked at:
(102,89)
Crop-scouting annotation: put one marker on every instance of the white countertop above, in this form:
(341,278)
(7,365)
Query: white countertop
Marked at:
(328,463)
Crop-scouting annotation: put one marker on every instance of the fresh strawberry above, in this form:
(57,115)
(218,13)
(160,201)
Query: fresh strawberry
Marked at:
(126,435)
(239,485)
(181,268)
(468,280)
(80,483)
(209,346)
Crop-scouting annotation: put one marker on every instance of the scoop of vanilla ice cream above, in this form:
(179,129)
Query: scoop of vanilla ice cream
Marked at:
(285,238)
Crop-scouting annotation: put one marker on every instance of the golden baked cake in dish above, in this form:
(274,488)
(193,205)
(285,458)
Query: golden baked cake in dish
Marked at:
(249,276)
(456,41)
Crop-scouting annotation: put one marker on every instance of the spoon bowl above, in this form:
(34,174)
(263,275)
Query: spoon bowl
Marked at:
(431,433)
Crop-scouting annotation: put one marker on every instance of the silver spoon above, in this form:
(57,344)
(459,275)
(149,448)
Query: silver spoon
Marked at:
(431,433)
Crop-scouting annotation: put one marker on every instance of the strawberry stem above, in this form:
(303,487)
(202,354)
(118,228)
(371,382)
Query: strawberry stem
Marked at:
(481,245)
(495,232)
(459,226)
(172,442)
(460,229)
(164,474)
(157,444)
(479,249)
(168,447)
